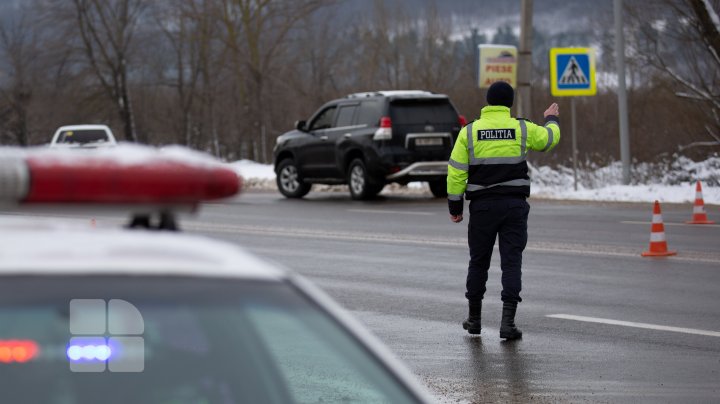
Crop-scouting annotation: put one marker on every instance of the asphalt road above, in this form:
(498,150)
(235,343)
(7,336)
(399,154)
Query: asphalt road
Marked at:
(600,323)
(644,329)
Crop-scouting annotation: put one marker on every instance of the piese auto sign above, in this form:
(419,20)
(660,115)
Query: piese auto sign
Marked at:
(497,63)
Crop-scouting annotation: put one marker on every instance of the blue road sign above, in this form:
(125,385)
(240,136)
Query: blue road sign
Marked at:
(572,71)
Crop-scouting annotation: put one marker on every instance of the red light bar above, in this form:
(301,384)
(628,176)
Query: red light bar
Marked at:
(104,181)
(18,351)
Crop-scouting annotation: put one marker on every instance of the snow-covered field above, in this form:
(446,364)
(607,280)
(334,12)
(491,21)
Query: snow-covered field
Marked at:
(666,182)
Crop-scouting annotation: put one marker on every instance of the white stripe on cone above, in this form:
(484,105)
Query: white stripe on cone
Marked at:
(657,219)
(698,209)
(657,237)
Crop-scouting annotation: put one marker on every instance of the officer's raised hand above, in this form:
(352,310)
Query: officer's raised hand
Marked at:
(553,109)
(456,218)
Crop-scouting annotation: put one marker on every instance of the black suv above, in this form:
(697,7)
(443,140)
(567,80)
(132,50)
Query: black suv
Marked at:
(367,140)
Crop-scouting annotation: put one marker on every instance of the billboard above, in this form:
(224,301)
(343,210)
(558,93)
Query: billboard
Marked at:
(497,63)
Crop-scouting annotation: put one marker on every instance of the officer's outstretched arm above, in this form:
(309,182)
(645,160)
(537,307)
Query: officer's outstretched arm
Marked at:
(545,138)
(458,173)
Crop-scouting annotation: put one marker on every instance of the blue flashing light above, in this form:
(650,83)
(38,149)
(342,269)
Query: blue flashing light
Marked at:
(78,353)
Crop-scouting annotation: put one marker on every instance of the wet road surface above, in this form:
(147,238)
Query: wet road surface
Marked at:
(600,323)
(399,265)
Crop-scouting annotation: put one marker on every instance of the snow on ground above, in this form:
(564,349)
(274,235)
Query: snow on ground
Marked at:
(672,181)
(629,193)
(121,154)
(252,170)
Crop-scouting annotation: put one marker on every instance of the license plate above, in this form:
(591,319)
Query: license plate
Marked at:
(429,141)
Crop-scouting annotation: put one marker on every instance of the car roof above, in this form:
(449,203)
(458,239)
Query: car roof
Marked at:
(126,154)
(83,127)
(395,94)
(64,248)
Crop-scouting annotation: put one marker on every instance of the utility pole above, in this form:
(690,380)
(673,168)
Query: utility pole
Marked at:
(525,58)
(476,54)
(622,93)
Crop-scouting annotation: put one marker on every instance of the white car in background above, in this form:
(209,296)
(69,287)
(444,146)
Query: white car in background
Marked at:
(85,136)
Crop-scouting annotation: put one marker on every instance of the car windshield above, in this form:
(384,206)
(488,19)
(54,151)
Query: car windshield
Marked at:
(83,136)
(199,341)
(414,112)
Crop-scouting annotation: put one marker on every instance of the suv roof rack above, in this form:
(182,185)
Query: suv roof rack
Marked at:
(392,93)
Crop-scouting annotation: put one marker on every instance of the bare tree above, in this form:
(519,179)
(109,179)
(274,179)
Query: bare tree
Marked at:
(432,64)
(382,47)
(212,58)
(404,51)
(19,48)
(681,40)
(107,29)
(316,57)
(255,32)
(183,27)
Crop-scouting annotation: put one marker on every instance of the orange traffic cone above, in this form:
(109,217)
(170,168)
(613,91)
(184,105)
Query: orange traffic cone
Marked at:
(699,215)
(658,245)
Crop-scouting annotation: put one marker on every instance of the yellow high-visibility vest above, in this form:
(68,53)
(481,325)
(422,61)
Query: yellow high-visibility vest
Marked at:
(489,156)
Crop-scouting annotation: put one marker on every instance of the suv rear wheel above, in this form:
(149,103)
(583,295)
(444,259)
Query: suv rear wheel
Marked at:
(289,182)
(438,188)
(361,185)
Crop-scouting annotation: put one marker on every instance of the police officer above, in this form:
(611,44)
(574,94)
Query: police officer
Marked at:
(488,165)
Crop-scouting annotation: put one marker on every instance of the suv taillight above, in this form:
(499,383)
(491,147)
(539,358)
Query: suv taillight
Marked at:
(385,131)
(462,120)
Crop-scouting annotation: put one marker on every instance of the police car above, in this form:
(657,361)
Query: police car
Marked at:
(91,315)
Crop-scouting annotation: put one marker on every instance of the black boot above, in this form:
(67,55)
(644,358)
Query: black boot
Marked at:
(472,323)
(507,326)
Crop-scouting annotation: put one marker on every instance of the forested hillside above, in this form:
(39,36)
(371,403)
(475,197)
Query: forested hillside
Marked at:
(228,76)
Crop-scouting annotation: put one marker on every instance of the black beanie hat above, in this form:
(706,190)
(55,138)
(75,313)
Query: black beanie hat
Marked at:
(500,93)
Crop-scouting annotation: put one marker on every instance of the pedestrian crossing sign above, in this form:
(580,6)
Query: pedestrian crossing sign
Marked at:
(572,72)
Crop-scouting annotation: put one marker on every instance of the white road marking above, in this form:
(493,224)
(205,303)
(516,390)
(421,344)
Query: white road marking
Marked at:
(325,234)
(671,224)
(391,212)
(636,325)
(593,250)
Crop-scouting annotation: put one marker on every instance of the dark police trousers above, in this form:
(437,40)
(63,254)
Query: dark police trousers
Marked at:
(506,218)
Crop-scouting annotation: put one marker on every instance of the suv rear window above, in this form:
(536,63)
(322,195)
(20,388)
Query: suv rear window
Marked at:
(408,112)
